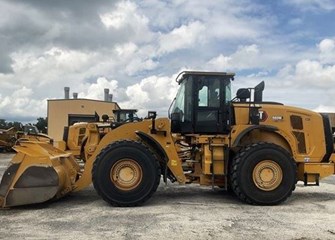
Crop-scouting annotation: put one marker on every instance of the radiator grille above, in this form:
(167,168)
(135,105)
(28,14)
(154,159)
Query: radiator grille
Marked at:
(296,122)
(300,136)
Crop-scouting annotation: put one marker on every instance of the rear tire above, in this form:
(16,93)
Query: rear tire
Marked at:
(126,173)
(263,174)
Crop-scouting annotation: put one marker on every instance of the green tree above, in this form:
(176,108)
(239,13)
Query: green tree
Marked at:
(16,125)
(3,123)
(42,124)
(6,125)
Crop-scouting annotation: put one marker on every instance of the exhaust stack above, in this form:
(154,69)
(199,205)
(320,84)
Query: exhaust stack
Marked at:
(66,92)
(106,94)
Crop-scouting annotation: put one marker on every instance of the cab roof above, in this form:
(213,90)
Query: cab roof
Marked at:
(204,73)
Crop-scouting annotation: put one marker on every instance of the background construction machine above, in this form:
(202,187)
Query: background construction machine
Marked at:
(8,137)
(257,149)
(75,136)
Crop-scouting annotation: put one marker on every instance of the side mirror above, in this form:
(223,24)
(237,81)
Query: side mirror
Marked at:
(152,115)
(243,94)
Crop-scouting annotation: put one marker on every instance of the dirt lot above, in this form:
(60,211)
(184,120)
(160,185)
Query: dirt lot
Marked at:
(175,212)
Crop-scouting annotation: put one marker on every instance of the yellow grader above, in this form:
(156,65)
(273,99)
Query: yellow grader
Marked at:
(257,149)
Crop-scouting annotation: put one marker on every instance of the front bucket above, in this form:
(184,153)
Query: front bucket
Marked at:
(37,173)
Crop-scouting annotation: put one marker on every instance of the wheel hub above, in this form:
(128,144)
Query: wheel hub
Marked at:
(126,174)
(267,175)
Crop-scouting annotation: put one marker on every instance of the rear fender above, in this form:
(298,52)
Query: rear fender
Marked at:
(262,133)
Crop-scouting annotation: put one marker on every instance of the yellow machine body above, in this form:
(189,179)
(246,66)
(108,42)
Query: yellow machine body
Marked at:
(127,161)
(210,158)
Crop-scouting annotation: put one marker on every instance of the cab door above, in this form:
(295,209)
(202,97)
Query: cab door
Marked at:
(210,107)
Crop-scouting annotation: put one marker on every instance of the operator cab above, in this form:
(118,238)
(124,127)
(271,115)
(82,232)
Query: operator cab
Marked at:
(29,129)
(202,103)
(125,115)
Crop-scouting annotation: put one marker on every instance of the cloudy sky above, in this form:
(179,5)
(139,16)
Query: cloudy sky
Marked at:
(136,49)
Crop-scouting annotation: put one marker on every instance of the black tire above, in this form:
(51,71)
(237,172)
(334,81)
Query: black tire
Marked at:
(249,165)
(107,174)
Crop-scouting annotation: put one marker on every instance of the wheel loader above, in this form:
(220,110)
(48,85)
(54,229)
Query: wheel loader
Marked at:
(254,148)
(8,137)
(75,136)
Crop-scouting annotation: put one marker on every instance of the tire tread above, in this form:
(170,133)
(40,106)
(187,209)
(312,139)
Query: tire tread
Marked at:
(236,165)
(95,174)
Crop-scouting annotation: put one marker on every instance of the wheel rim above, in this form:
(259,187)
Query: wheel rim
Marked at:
(267,175)
(126,174)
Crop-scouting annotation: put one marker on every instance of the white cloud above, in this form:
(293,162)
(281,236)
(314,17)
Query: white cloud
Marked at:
(151,93)
(23,93)
(4,102)
(132,59)
(40,76)
(54,65)
(96,90)
(126,17)
(138,64)
(325,109)
(259,74)
(21,104)
(312,5)
(126,50)
(227,19)
(246,57)
(327,50)
(312,73)
(305,75)
(326,45)
(295,21)
(137,95)
(308,83)
(182,37)
(133,47)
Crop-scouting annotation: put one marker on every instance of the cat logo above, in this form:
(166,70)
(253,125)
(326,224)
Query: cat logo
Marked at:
(263,116)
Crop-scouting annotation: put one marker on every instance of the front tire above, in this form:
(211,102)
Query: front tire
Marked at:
(263,174)
(126,173)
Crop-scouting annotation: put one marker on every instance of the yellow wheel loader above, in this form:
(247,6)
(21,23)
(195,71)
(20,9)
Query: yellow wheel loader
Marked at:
(76,135)
(8,137)
(255,148)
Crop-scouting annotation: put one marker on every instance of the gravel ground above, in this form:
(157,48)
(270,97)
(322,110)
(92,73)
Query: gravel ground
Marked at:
(175,212)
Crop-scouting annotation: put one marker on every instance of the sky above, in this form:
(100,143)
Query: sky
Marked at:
(137,48)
